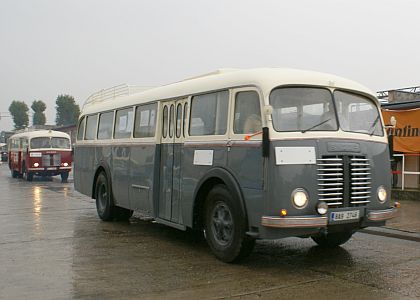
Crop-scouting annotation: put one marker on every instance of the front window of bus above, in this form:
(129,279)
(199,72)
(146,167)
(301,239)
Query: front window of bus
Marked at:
(61,143)
(46,143)
(357,114)
(303,109)
(40,143)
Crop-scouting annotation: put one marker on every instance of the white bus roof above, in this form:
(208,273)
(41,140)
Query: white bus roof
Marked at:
(40,133)
(264,78)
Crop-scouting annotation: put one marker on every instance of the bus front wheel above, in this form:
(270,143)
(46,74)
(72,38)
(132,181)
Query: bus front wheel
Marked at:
(28,176)
(225,226)
(64,176)
(333,239)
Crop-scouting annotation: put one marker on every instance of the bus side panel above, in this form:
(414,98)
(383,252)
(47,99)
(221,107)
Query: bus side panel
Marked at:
(84,168)
(192,174)
(245,162)
(142,174)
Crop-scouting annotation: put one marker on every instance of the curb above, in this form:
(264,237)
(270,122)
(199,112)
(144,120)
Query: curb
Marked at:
(394,233)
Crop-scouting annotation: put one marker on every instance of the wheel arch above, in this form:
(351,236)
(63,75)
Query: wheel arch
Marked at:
(102,167)
(214,177)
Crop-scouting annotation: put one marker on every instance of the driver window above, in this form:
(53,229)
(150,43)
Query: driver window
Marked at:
(247,113)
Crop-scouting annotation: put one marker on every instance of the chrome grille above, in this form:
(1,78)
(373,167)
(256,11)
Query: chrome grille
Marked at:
(49,160)
(330,180)
(331,176)
(46,160)
(360,180)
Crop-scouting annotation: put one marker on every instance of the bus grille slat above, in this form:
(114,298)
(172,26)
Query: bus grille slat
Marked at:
(360,181)
(330,180)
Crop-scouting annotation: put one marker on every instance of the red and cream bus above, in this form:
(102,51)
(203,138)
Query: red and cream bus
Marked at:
(41,152)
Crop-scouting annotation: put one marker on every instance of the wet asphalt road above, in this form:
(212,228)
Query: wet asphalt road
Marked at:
(53,246)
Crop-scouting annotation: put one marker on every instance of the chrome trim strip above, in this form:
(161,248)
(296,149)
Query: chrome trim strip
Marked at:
(380,215)
(293,222)
(141,187)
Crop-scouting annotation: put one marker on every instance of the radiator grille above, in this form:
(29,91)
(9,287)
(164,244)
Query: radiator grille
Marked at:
(50,160)
(333,171)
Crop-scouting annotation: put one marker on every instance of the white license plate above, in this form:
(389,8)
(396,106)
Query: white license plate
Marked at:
(52,168)
(345,215)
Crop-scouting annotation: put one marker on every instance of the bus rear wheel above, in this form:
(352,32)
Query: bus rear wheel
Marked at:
(104,202)
(225,226)
(105,207)
(14,173)
(333,239)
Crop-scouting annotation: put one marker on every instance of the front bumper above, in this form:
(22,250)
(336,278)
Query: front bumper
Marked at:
(39,169)
(382,215)
(314,221)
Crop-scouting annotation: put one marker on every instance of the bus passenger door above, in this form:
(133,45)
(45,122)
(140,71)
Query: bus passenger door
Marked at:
(171,159)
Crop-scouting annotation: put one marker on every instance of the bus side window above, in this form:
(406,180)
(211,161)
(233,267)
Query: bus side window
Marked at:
(247,113)
(91,127)
(123,123)
(184,126)
(165,121)
(209,114)
(145,124)
(81,129)
(105,125)
(178,120)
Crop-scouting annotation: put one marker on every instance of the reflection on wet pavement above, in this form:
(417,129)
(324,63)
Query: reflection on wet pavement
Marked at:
(53,246)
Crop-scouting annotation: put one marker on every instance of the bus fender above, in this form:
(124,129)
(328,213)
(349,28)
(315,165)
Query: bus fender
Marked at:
(211,178)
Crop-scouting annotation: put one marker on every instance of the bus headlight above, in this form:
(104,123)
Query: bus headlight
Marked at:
(36,165)
(300,198)
(381,194)
(65,164)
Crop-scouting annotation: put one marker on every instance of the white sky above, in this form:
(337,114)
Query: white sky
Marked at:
(77,47)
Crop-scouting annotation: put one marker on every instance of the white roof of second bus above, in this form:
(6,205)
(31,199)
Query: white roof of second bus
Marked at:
(264,78)
(40,133)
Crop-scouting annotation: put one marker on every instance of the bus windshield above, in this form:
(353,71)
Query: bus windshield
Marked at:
(46,142)
(311,109)
(302,109)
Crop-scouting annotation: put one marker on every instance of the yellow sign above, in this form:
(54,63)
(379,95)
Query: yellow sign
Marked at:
(406,132)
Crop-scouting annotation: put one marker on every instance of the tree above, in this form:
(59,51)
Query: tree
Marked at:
(19,111)
(67,110)
(39,116)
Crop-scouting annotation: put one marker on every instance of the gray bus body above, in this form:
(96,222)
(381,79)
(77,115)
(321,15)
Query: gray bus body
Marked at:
(170,175)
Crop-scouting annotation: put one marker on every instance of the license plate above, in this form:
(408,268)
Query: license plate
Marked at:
(345,215)
(52,168)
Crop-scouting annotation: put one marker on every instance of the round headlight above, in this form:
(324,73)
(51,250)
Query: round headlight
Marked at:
(36,165)
(300,198)
(381,194)
(322,208)
(65,164)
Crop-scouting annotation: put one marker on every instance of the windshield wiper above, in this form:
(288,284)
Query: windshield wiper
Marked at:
(373,125)
(316,125)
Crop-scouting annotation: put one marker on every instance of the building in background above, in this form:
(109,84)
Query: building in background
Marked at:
(404,105)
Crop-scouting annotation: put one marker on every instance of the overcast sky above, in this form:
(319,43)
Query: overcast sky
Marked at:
(77,47)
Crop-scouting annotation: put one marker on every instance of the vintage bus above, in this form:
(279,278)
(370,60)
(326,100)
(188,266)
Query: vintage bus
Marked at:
(240,155)
(40,152)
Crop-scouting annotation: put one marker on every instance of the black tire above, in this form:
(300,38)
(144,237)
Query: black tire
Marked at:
(64,176)
(28,176)
(225,226)
(104,202)
(333,239)
(14,173)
